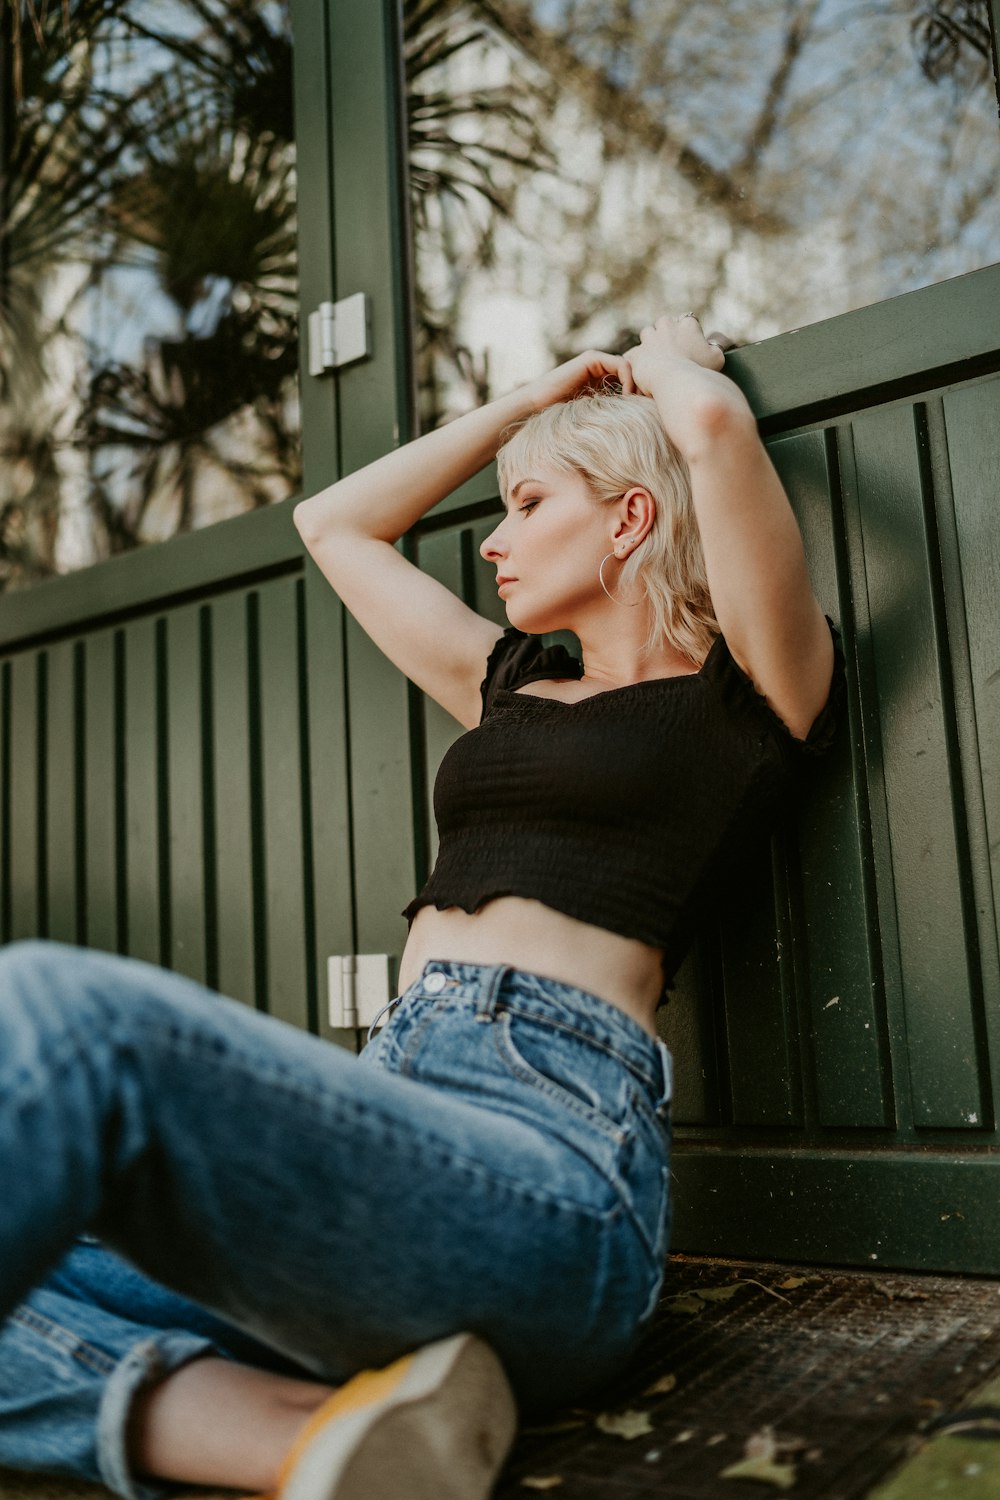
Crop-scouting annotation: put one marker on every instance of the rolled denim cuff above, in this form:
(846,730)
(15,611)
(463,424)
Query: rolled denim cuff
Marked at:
(145,1363)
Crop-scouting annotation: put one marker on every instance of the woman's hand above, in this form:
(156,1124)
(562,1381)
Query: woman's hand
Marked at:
(588,370)
(667,340)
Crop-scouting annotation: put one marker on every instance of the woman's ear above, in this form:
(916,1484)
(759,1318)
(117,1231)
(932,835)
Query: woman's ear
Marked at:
(635,514)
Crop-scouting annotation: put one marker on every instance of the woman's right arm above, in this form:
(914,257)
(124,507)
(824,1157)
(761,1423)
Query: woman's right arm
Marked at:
(350,529)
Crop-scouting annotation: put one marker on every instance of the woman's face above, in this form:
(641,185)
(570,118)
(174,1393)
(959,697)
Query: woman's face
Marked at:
(548,548)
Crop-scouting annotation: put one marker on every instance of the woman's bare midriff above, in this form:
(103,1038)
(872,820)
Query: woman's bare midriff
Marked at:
(528,935)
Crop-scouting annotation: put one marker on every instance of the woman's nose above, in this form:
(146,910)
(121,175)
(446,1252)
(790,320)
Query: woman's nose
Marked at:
(493,546)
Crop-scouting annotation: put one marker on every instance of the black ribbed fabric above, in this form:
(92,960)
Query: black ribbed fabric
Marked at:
(623,810)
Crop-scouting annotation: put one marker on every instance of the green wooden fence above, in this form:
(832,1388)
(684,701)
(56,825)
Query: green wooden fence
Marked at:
(204,764)
(837,1033)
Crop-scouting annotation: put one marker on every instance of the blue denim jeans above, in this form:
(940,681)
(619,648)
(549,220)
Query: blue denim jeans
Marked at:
(181,1175)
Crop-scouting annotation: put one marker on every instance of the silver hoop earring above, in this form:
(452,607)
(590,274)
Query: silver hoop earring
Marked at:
(600,575)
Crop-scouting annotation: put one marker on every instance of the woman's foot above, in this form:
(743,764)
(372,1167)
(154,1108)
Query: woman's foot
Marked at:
(434,1425)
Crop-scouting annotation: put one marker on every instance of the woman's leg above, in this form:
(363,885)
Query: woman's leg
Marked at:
(105,1375)
(341,1213)
(256,1417)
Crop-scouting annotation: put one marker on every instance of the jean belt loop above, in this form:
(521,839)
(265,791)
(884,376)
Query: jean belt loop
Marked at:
(667,1079)
(490,984)
(388,1006)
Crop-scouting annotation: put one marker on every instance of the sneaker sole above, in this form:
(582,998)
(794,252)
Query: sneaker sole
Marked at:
(441,1434)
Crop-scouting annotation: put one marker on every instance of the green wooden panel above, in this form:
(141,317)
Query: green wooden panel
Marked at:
(234,811)
(375,397)
(145,791)
(440,555)
(756,965)
(385,803)
(59,770)
(903,591)
(833,897)
(856,1206)
(688,1026)
(915,342)
(369,197)
(100,793)
(186,792)
(290,986)
(329,788)
(24,789)
(970,544)
(316,229)
(262,541)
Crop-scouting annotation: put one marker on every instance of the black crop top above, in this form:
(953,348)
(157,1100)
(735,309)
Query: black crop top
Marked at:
(623,809)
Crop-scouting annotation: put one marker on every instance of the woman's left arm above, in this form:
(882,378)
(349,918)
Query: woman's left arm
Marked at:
(754,558)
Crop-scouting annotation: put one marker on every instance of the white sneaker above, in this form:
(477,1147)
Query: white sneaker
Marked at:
(434,1425)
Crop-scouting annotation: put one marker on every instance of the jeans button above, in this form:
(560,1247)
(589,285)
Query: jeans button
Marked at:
(434,984)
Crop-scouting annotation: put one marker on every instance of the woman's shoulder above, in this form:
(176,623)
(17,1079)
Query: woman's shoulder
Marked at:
(518,658)
(743,698)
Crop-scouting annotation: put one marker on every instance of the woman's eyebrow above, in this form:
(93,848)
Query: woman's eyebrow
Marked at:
(513,492)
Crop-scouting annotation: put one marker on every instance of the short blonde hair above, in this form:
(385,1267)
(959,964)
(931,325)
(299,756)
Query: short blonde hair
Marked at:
(614,442)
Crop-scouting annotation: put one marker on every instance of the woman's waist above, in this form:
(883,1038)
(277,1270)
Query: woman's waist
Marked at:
(528,935)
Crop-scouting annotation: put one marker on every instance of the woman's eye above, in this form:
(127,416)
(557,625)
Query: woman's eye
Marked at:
(527,507)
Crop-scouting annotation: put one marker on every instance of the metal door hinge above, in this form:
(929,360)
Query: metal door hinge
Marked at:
(359,986)
(339,333)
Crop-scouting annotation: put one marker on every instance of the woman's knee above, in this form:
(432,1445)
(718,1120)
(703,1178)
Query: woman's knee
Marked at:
(65,996)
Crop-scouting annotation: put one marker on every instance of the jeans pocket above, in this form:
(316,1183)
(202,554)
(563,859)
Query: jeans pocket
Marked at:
(569,1070)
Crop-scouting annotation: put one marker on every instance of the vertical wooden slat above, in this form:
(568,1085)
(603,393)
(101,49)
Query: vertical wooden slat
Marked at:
(687,1025)
(329,788)
(902,592)
(756,972)
(101,841)
(60,774)
(368,195)
(382,804)
(440,556)
(235,852)
(288,990)
(24,779)
(836,924)
(144,766)
(185,793)
(970,544)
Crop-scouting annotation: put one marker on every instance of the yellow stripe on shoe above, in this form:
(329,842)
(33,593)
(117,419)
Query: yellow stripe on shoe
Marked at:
(366,1388)
(434,1425)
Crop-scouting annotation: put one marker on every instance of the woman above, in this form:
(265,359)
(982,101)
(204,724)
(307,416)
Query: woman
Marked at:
(490,1178)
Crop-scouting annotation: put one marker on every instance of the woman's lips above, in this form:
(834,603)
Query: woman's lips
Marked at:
(503,582)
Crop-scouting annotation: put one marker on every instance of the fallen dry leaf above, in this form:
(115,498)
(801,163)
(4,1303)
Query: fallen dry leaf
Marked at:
(687,1302)
(662,1386)
(541,1481)
(791,1282)
(760,1461)
(720,1293)
(764,1469)
(624,1424)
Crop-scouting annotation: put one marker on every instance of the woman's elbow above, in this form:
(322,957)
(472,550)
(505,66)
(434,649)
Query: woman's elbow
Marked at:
(313,519)
(724,420)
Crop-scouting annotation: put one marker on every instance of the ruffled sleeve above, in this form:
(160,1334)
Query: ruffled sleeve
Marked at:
(518,658)
(741,698)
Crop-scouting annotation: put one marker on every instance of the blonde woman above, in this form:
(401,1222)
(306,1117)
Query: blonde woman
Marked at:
(245,1257)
